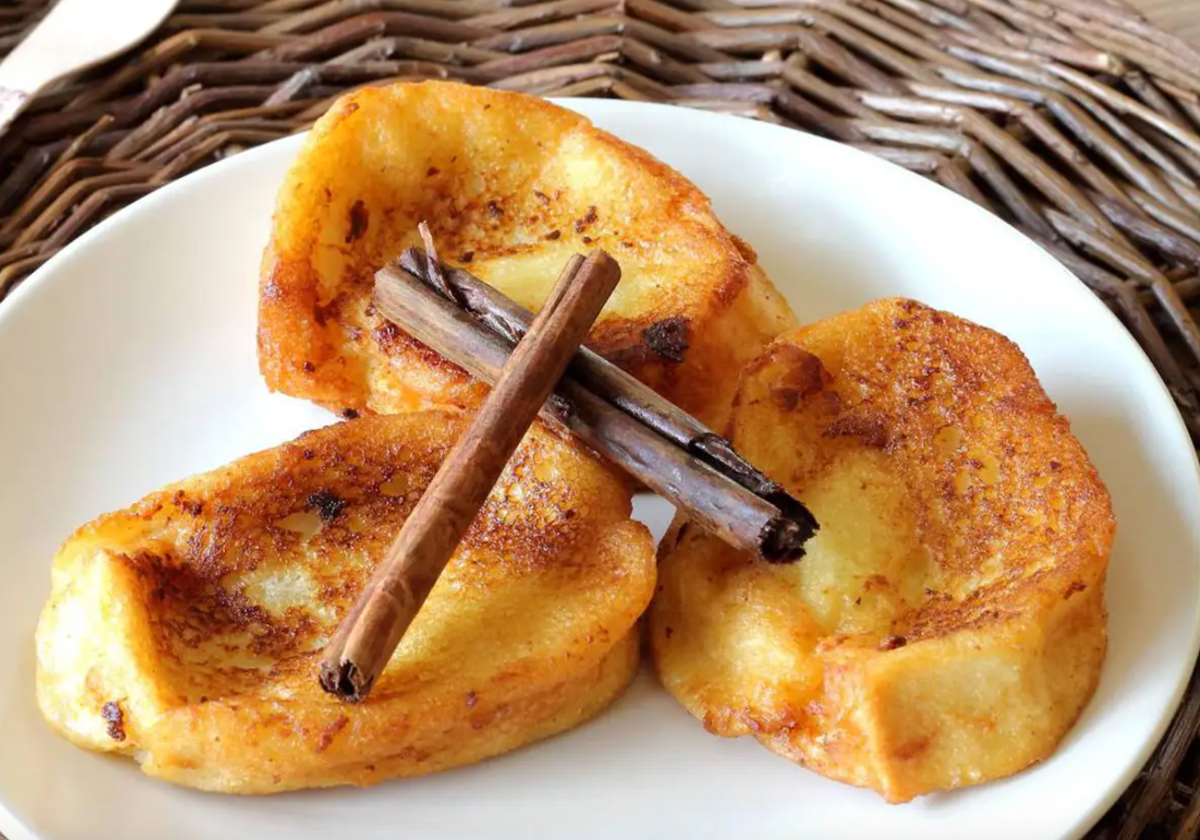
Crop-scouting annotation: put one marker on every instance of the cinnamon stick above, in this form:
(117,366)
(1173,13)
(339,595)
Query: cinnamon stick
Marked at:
(367,637)
(607,381)
(715,500)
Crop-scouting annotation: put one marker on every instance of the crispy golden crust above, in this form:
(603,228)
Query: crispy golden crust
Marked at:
(511,186)
(948,625)
(184,631)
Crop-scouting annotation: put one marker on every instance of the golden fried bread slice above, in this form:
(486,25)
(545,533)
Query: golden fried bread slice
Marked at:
(511,186)
(947,625)
(185,630)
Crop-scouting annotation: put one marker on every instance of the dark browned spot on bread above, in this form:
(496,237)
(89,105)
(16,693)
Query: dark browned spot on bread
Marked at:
(112,713)
(554,234)
(892,642)
(387,336)
(410,753)
(668,338)
(875,582)
(801,375)
(472,698)
(494,210)
(349,413)
(330,732)
(1075,586)
(912,749)
(744,248)
(588,218)
(431,171)
(359,219)
(868,430)
(327,503)
(329,311)
(466,256)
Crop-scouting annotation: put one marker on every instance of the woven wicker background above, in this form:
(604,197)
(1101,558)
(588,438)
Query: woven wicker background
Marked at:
(1075,120)
(1180,17)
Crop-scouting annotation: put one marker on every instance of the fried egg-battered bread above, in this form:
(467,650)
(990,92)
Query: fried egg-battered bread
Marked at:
(185,630)
(511,186)
(948,625)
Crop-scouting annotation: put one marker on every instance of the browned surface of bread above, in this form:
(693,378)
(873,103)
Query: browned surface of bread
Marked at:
(184,631)
(948,624)
(511,186)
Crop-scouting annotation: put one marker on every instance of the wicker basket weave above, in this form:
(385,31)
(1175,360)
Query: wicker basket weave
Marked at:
(1074,120)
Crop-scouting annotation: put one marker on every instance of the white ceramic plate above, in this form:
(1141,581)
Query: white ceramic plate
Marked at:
(129,361)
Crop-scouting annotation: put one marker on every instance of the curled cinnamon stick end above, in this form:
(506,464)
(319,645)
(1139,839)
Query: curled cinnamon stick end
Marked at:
(345,680)
(368,636)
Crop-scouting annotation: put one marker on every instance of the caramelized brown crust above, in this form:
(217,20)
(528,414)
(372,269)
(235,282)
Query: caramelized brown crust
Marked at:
(511,186)
(184,630)
(947,626)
